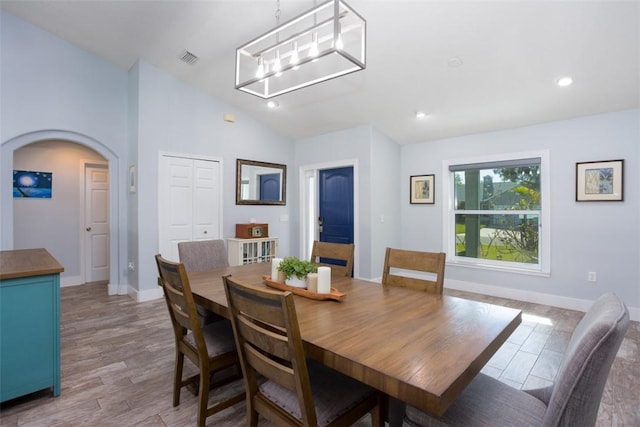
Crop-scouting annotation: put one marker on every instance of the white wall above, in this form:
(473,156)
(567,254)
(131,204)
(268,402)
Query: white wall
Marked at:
(173,117)
(385,199)
(51,88)
(378,162)
(585,236)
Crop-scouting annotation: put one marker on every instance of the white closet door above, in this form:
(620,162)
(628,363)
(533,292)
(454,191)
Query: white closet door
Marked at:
(189,202)
(206,191)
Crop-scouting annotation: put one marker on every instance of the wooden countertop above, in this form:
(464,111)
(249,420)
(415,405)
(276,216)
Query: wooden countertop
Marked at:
(27,262)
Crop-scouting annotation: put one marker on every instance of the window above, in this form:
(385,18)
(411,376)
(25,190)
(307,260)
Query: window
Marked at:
(497,212)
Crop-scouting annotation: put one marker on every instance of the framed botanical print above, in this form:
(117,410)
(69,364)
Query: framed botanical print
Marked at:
(599,181)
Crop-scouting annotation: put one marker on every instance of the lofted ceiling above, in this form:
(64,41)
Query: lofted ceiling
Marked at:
(471,66)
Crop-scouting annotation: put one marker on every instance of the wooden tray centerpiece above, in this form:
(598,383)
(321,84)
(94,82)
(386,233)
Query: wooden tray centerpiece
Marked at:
(335,294)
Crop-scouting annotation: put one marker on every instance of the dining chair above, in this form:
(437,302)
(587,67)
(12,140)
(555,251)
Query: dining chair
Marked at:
(296,391)
(200,255)
(420,262)
(211,348)
(338,256)
(572,400)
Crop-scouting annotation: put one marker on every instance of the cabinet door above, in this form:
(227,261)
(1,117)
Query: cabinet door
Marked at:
(29,336)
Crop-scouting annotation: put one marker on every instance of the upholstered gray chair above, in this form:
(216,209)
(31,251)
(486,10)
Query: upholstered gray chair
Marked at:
(203,255)
(573,399)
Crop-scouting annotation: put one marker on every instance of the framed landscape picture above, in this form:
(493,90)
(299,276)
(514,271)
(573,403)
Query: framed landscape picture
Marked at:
(422,189)
(599,181)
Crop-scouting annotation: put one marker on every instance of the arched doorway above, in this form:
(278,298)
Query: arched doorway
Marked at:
(7,220)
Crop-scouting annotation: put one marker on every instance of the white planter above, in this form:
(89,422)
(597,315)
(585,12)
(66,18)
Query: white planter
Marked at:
(296,283)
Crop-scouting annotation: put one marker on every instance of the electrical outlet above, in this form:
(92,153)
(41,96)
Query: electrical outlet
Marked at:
(132,266)
(592,276)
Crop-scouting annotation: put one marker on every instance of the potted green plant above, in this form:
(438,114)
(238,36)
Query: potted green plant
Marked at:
(295,271)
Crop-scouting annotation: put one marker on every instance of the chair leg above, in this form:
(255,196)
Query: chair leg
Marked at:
(203,398)
(252,416)
(177,379)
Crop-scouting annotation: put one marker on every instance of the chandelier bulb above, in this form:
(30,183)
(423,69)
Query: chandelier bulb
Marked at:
(339,43)
(261,68)
(313,50)
(277,65)
(294,56)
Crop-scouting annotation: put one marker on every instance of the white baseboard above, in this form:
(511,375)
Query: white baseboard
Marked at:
(529,296)
(70,281)
(117,289)
(145,295)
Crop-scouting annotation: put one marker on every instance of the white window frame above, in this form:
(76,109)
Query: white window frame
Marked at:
(543,268)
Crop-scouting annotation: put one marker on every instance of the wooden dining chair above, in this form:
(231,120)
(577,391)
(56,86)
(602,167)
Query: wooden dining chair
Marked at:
(200,255)
(211,348)
(572,400)
(420,262)
(296,391)
(338,256)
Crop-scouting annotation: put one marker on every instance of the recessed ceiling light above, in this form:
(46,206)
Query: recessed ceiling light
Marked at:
(564,81)
(454,62)
(421,114)
(272,104)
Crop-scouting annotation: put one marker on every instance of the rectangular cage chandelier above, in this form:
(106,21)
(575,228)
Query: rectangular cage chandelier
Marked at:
(326,42)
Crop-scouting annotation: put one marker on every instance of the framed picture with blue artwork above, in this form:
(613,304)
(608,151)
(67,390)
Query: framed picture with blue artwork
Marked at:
(600,181)
(32,184)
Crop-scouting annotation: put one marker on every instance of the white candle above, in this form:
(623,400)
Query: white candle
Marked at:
(274,268)
(312,282)
(324,280)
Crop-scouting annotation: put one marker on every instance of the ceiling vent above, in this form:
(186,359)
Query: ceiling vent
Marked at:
(188,57)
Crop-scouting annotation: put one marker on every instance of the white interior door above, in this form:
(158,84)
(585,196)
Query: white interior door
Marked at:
(189,202)
(96,221)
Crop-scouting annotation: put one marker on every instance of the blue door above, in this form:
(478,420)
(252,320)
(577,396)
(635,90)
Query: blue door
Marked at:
(336,205)
(270,186)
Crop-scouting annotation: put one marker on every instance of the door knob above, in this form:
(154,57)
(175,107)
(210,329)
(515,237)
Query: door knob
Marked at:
(88,228)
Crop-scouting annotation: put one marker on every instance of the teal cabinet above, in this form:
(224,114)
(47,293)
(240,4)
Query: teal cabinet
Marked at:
(29,331)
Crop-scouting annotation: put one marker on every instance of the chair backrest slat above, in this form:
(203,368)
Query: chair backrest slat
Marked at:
(421,262)
(182,307)
(342,253)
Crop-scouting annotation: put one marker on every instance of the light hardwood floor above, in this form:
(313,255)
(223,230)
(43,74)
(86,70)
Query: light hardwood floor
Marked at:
(117,365)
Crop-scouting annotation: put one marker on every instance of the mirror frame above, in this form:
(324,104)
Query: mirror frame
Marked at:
(242,162)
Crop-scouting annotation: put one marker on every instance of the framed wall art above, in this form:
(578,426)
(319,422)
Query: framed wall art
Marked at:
(32,184)
(422,189)
(599,181)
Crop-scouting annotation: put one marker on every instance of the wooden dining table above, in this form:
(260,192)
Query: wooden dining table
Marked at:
(419,348)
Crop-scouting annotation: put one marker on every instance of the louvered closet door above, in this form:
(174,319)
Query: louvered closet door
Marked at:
(189,202)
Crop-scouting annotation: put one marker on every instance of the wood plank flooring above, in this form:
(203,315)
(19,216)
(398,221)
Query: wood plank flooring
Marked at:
(117,366)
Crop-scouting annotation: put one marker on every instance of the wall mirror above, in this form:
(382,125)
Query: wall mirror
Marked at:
(260,183)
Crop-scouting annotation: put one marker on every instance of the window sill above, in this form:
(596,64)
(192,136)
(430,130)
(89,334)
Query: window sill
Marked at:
(498,268)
